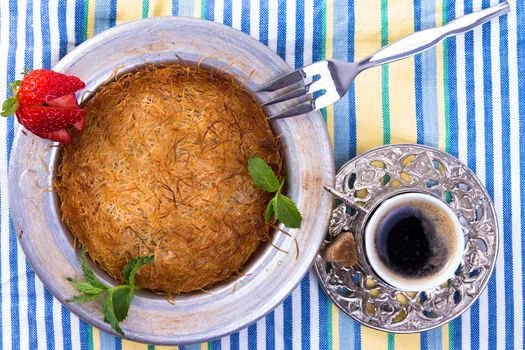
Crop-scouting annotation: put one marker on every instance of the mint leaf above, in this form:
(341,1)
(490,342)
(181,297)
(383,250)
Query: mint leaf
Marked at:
(85,298)
(286,211)
(89,275)
(85,287)
(132,267)
(122,298)
(262,175)
(109,312)
(9,107)
(270,211)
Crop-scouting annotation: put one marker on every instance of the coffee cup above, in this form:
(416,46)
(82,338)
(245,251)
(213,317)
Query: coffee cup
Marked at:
(413,241)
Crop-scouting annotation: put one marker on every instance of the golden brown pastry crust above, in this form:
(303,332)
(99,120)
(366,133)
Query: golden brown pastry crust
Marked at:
(161,169)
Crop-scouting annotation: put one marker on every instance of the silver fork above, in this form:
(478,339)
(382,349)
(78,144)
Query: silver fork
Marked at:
(335,77)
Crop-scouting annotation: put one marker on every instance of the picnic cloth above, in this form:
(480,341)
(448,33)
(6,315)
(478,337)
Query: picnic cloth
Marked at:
(466,96)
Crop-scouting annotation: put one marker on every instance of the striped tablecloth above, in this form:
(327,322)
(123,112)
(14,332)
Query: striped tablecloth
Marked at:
(467,96)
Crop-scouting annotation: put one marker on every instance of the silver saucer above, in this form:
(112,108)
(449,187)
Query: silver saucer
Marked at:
(365,182)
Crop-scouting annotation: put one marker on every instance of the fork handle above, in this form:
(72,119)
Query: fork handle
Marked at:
(422,40)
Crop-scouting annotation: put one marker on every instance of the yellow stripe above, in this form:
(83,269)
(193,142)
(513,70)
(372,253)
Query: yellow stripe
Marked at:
(159,8)
(91,19)
(407,341)
(197,9)
(158,347)
(329,54)
(335,327)
(444,337)
(96,338)
(440,82)
(401,77)
(129,345)
(128,11)
(369,119)
(372,339)
(204,346)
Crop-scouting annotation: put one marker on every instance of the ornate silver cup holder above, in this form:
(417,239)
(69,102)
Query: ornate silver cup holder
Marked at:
(365,182)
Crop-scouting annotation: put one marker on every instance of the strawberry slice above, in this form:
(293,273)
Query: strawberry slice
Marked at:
(39,119)
(62,136)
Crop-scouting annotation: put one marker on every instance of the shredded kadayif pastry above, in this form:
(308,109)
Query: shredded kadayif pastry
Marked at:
(161,169)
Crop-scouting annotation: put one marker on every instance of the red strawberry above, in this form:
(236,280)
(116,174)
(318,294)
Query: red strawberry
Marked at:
(45,103)
(42,86)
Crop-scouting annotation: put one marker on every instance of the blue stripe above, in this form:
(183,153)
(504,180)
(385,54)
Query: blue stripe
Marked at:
(118,343)
(105,15)
(451,88)
(214,344)
(324,304)
(263,22)
(175,7)
(343,112)
(209,9)
(186,8)
(469,91)
(520,13)
(13,248)
(48,319)
(429,102)
(80,18)
(347,332)
(419,85)
(234,341)
(352,123)
(245,17)
(228,15)
(281,29)
(66,328)
(62,27)
(287,323)
(252,336)
(107,341)
(46,36)
(317,44)
(305,312)
(299,34)
(270,330)
(84,335)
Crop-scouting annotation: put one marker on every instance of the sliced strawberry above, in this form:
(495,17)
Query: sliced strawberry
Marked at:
(80,124)
(62,136)
(66,101)
(40,119)
(41,86)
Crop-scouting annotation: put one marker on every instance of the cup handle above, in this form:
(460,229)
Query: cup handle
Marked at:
(343,197)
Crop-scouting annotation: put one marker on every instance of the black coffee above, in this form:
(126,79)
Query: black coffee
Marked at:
(414,239)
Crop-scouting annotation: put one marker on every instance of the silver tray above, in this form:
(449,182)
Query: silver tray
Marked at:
(365,182)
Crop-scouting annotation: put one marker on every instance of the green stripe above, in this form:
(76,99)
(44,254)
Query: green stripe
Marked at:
(145,8)
(90,337)
(385,98)
(203,8)
(151,347)
(85,22)
(391,341)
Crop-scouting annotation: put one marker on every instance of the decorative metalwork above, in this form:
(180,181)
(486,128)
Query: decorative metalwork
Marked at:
(365,182)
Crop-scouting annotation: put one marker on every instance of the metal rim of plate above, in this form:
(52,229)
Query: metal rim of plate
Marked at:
(365,182)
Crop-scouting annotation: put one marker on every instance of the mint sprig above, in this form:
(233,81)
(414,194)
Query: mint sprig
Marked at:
(280,207)
(118,299)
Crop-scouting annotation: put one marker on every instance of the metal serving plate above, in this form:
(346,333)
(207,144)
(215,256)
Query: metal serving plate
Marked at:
(270,275)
